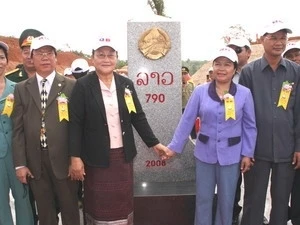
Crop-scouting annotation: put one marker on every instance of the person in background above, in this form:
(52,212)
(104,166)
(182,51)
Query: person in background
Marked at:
(68,73)
(23,71)
(26,69)
(104,108)
(292,52)
(242,48)
(188,87)
(274,83)
(79,68)
(8,179)
(40,136)
(226,140)
(209,76)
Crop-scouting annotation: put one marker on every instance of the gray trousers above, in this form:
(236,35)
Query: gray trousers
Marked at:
(256,185)
(208,176)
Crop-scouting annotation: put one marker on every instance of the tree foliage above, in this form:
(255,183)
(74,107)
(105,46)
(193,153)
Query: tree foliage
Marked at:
(121,63)
(157,6)
(193,65)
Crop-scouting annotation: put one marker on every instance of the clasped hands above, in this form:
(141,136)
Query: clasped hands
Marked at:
(163,152)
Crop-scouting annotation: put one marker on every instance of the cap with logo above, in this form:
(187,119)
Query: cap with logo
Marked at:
(105,41)
(184,69)
(41,41)
(290,46)
(226,52)
(274,26)
(27,36)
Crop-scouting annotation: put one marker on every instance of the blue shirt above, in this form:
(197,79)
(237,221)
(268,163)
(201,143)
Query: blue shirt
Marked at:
(219,140)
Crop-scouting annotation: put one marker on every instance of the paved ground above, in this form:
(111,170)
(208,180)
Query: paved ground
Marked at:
(267,209)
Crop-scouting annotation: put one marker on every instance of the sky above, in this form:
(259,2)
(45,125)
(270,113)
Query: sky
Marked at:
(79,23)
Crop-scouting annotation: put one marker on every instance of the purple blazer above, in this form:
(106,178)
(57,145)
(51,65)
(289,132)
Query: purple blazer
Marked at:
(219,140)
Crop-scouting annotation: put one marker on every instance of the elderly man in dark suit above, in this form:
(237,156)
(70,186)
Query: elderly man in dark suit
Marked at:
(40,136)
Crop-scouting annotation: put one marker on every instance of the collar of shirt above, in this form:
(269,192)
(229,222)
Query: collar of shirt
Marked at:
(265,63)
(112,85)
(48,83)
(213,93)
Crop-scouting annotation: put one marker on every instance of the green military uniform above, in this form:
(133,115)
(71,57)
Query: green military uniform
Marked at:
(17,75)
(187,90)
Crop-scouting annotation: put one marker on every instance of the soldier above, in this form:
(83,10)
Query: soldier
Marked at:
(22,72)
(26,69)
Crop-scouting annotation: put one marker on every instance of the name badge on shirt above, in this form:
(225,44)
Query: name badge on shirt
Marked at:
(63,111)
(285,94)
(8,105)
(229,107)
(129,101)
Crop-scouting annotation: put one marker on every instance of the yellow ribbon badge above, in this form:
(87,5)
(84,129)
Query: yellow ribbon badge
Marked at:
(129,101)
(63,111)
(229,106)
(8,105)
(285,94)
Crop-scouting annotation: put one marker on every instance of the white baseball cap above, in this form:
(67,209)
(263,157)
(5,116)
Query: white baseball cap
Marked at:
(274,26)
(291,45)
(105,41)
(41,41)
(226,52)
(67,71)
(79,66)
(239,42)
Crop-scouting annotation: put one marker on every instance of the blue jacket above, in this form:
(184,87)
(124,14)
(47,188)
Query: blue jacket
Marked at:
(5,121)
(218,140)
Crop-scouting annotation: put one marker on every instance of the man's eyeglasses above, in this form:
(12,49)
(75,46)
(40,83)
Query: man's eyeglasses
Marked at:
(103,56)
(42,54)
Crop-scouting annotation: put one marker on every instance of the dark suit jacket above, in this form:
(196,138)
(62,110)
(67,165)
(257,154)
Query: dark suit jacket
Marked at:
(26,119)
(89,135)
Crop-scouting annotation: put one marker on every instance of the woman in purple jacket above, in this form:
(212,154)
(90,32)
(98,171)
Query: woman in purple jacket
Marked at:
(226,140)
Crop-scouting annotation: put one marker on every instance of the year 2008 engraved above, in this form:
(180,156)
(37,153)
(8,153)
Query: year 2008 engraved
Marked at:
(155,163)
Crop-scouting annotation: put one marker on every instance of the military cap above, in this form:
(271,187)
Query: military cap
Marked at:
(17,75)
(27,36)
(184,69)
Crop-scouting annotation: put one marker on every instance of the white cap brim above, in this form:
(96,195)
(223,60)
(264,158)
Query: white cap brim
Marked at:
(290,46)
(226,52)
(41,41)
